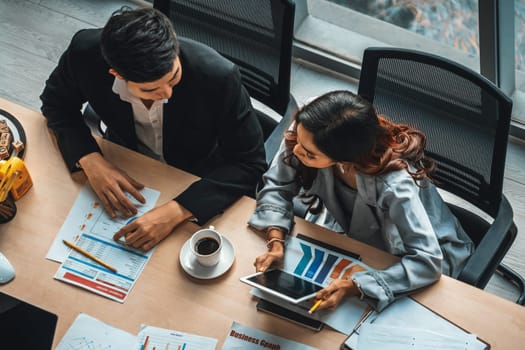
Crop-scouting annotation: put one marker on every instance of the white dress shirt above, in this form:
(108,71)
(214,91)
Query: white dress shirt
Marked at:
(148,122)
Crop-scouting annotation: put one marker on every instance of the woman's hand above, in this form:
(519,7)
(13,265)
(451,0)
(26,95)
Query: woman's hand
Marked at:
(275,255)
(338,289)
(111,184)
(149,229)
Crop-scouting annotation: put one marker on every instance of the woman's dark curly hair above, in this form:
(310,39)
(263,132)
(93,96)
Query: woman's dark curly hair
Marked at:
(346,128)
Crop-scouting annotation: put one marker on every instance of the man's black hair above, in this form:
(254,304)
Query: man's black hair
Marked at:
(140,44)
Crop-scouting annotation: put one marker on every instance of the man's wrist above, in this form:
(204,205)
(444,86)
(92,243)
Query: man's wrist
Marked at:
(180,213)
(84,161)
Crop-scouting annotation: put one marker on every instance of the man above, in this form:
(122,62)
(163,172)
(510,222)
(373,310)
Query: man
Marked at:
(175,100)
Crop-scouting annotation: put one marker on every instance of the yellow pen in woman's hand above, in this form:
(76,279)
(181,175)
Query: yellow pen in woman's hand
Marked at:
(315,306)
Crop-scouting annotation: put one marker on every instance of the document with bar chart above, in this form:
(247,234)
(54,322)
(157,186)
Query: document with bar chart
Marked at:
(155,338)
(320,263)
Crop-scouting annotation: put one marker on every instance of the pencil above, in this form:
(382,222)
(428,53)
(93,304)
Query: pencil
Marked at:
(89,255)
(315,306)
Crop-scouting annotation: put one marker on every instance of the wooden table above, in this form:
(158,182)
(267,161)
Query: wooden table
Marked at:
(165,296)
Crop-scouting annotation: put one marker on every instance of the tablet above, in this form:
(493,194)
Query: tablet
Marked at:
(16,316)
(283,285)
(292,316)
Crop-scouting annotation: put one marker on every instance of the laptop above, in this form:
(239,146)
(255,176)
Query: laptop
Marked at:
(24,326)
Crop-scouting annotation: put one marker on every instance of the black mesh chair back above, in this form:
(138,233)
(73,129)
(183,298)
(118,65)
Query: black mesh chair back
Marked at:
(466,119)
(254,34)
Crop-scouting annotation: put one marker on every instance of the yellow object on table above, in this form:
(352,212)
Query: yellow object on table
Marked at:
(14,177)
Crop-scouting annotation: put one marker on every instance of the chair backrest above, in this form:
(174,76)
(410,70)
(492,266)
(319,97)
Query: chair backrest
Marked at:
(465,117)
(254,34)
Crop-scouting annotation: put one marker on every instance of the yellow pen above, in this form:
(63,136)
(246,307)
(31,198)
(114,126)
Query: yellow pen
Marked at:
(315,306)
(89,255)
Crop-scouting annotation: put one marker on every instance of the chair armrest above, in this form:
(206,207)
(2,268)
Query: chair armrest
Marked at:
(492,248)
(272,143)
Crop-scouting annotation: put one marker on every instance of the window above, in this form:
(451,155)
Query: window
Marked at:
(519,34)
(458,20)
(342,29)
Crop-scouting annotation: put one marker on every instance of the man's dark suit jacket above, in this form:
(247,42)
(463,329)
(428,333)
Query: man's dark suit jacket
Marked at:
(210,128)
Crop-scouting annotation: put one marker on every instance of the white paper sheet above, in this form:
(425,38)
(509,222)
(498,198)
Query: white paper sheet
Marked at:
(88,216)
(243,337)
(83,272)
(380,337)
(414,318)
(88,333)
(157,338)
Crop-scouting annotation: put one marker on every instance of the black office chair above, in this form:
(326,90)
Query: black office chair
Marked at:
(466,119)
(257,36)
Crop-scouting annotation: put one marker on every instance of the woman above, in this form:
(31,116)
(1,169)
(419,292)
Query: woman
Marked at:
(373,177)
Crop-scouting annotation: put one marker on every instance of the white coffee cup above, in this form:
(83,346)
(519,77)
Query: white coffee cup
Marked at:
(206,245)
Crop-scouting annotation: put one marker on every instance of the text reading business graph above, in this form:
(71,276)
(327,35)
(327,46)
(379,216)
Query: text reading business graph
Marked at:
(317,263)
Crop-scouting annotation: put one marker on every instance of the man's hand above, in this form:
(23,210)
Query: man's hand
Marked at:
(110,184)
(149,229)
(338,289)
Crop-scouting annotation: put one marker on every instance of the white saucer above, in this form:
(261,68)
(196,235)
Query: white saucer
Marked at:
(193,268)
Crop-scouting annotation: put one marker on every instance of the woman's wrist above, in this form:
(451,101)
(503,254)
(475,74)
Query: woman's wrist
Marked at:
(355,289)
(275,238)
(274,242)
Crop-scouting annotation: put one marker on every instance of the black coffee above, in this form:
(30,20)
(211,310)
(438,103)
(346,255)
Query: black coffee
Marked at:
(206,245)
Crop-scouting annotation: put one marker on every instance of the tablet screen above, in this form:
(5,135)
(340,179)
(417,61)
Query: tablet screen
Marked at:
(284,285)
